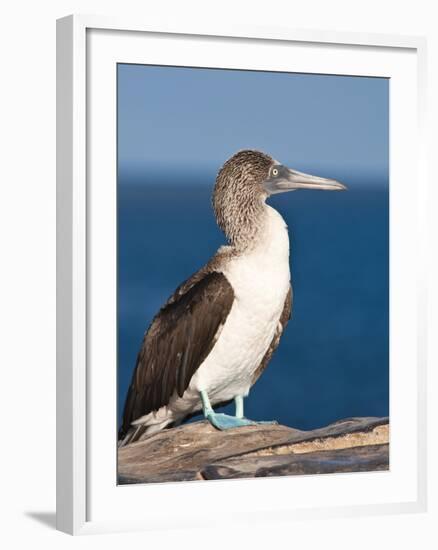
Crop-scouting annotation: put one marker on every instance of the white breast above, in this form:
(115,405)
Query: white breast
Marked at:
(260,280)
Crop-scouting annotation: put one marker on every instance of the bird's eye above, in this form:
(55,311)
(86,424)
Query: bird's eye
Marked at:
(275,172)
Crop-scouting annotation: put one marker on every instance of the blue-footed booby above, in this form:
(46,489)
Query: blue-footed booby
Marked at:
(216,334)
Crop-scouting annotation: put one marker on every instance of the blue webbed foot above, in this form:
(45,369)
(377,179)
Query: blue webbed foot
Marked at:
(224,421)
(227,422)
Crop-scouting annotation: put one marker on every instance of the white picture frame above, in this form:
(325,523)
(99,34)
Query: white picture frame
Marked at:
(86,503)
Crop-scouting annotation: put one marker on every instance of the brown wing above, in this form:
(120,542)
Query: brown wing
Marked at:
(284,318)
(177,342)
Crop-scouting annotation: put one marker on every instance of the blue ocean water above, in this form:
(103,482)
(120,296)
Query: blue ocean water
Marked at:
(333,359)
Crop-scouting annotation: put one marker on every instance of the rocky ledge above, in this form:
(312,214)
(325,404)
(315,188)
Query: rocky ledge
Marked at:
(198,451)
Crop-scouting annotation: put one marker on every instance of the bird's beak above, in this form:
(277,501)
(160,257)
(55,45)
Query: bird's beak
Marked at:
(284,179)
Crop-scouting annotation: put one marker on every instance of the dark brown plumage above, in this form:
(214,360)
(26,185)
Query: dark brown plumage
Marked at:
(178,340)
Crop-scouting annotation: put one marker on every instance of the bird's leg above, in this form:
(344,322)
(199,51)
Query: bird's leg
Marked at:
(238,400)
(206,405)
(222,421)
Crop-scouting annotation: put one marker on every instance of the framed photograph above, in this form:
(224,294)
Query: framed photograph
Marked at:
(231,331)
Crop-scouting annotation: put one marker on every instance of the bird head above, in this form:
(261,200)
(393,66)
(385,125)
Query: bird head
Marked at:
(244,183)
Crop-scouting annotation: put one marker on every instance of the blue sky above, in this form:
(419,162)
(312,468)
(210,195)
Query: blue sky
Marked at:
(175,119)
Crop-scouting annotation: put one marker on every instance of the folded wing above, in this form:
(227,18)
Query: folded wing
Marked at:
(177,342)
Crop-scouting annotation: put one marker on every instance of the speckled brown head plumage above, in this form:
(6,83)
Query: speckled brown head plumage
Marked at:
(242,186)
(239,196)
